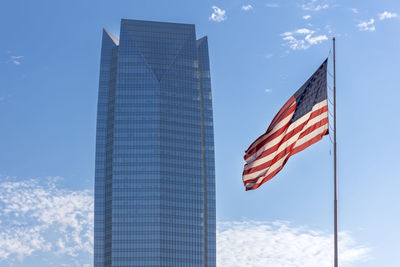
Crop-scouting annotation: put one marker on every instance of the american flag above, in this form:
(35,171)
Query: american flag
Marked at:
(301,122)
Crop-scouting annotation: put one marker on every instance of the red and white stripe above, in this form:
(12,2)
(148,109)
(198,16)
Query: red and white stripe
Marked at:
(270,152)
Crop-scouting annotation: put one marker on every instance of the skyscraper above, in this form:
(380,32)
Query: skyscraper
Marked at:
(154,176)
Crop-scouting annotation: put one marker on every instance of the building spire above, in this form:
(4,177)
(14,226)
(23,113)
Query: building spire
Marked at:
(112,37)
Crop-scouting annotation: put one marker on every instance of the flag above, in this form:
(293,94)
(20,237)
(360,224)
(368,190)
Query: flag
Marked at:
(301,122)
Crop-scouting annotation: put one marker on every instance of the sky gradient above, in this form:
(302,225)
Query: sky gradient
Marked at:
(261,52)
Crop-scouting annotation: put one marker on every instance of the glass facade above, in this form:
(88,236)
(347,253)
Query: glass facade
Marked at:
(155,173)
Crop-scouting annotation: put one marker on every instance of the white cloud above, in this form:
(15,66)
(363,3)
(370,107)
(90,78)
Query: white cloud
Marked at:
(386,15)
(247,7)
(302,39)
(306,17)
(315,40)
(265,244)
(272,5)
(218,14)
(36,216)
(354,10)
(16,59)
(268,90)
(314,5)
(304,31)
(367,25)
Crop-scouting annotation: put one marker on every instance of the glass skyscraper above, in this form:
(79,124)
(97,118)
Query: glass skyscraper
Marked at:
(154,176)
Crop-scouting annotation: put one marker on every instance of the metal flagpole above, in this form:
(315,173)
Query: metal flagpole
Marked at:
(335,161)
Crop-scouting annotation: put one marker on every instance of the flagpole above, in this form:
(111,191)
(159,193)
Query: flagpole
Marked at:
(335,161)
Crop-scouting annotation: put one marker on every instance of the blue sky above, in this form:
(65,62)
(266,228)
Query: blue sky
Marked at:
(261,52)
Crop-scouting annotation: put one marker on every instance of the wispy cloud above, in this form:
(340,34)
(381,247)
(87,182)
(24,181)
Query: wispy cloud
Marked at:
(247,7)
(367,25)
(386,15)
(218,14)
(314,5)
(37,217)
(302,39)
(329,29)
(370,24)
(268,90)
(272,5)
(306,17)
(354,10)
(260,243)
(16,59)
(268,56)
